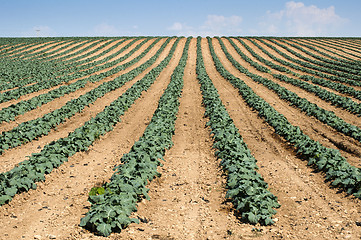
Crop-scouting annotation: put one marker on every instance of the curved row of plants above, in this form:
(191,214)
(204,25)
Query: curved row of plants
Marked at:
(16,45)
(332,68)
(339,87)
(337,100)
(22,63)
(113,203)
(9,46)
(81,55)
(9,113)
(329,49)
(246,187)
(353,43)
(45,70)
(54,49)
(13,68)
(30,130)
(330,161)
(24,176)
(36,47)
(19,46)
(311,109)
(300,68)
(42,69)
(20,71)
(46,53)
(63,52)
(342,47)
(48,83)
(328,58)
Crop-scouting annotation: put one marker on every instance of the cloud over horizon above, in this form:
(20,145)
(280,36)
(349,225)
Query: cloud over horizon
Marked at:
(105,29)
(214,25)
(294,19)
(297,19)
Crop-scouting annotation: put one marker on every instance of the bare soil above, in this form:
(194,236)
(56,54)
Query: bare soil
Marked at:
(188,199)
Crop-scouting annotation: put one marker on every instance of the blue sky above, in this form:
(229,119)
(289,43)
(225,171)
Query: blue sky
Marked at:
(21,18)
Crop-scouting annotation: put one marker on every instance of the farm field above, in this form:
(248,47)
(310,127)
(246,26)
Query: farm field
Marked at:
(235,138)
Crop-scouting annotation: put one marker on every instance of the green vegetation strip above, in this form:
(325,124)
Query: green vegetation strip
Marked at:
(335,99)
(246,187)
(48,83)
(9,113)
(24,176)
(39,71)
(113,203)
(319,45)
(334,61)
(328,160)
(311,109)
(30,130)
(332,68)
(300,68)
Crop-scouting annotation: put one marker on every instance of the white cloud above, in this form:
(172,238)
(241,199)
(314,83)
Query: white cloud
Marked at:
(297,19)
(214,25)
(105,29)
(221,25)
(177,26)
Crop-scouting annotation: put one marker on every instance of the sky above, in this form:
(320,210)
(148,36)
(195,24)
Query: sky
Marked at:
(66,18)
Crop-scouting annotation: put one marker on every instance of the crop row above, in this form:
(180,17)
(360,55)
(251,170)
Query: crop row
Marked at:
(311,109)
(342,47)
(48,83)
(9,113)
(340,71)
(337,100)
(328,59)
(25,64)
(30,130)
(246,187)
(300,68)
(326,48)
(330,161)
(24,176)
(113,203)
(45,70)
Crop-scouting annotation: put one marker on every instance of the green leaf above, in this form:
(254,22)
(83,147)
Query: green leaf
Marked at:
(84,220)
(252,218)
(104,229)
(4,199)
(96,191)
(11,191)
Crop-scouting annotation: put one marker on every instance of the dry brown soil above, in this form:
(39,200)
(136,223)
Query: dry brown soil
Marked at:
(188,199)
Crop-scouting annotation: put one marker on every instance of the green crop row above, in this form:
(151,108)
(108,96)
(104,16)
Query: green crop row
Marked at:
(24,176)
(342,47)
(246,188)
(48,83)
(30,130)
(311,109)
(325,48)
(319,81)
(328,59)
(342,71)
(337,100)
(9,113)
(113,203)
(328,160)
(300,68)
(40,70)
(18,66)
